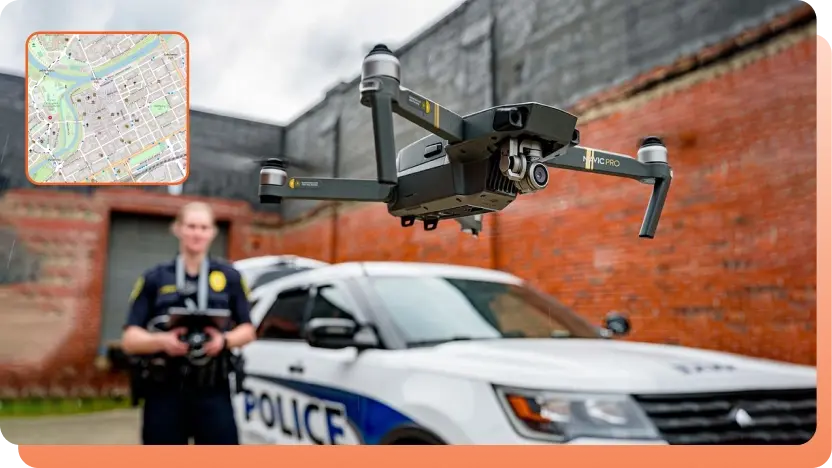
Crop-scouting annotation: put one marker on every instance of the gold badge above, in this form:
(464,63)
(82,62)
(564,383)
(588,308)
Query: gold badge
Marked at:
(137,288)
(217,281)
(292,183)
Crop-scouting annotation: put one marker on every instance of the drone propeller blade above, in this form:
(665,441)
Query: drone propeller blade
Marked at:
(289,162)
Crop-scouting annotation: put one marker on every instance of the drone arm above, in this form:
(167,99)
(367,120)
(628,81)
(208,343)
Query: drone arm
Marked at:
(314,188)
(580,158)
(654,208)
(385,97)
(381,90)
(655,172)
(381,106)
(428,115)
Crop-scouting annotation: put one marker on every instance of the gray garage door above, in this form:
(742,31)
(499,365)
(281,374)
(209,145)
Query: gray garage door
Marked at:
(136,243)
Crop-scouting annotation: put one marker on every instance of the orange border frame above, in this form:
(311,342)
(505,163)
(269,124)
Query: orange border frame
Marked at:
(814,453)
(187,113)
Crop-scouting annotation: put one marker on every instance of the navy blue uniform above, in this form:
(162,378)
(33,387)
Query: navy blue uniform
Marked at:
(176,409)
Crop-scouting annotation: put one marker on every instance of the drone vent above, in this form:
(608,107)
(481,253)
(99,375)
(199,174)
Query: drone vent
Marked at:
(496,181)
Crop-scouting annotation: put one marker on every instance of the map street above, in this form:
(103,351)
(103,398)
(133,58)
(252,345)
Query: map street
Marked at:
(107,108)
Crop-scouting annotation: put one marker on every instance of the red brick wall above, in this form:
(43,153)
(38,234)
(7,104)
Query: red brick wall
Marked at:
(733,264)
(50,323)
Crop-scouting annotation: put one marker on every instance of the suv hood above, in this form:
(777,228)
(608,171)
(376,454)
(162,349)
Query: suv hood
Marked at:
(607,366)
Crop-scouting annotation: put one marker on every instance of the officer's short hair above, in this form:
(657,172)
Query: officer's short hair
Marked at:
(193,206)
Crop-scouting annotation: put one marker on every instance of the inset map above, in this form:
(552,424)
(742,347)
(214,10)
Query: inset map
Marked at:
(107,108)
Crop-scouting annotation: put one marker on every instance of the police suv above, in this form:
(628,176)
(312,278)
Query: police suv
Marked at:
(414,353)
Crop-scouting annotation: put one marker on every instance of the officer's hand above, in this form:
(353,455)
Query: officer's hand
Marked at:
(216,342)
(171,343)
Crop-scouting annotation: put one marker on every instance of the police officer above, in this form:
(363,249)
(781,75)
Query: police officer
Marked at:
(178,404)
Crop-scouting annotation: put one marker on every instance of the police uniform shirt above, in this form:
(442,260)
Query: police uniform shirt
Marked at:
(155,292)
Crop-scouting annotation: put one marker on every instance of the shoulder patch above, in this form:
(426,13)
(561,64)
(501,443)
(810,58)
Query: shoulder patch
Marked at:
(137,288)
(244,286)
(217,280)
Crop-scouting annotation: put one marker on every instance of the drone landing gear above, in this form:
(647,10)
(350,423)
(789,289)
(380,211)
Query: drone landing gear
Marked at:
(429,224)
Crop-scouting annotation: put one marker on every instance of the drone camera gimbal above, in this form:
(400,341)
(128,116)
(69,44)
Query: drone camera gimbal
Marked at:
(468,165)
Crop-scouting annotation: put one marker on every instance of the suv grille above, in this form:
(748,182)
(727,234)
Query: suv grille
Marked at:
(779,417)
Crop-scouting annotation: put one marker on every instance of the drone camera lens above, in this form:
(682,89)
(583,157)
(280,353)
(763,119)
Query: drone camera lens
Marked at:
(541,175)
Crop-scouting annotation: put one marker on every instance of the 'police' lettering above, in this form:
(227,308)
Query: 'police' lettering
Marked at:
(334,430)
(266,411)
(279,405)
(308,412)
(297,419)
(308,418)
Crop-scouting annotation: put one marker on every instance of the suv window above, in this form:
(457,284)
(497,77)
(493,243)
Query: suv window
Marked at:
(284,319)
(333,301)
(435,309)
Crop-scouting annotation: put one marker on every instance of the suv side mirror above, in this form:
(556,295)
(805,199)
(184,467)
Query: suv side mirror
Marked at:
(337,333)
(617,324)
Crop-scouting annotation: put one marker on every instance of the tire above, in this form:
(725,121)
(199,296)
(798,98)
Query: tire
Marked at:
(414,441)
(412,435)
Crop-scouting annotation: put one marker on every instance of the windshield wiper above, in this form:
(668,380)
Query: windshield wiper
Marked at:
(444,340)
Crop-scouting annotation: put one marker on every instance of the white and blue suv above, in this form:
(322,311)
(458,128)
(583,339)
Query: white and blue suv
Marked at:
(422,353)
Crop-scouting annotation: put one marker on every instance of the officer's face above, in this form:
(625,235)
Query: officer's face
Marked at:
(196,231)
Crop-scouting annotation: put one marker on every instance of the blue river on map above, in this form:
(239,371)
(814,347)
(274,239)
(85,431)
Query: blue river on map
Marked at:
(77,82)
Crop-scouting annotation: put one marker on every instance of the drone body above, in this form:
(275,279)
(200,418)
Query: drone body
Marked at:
(439,180)
(469,165)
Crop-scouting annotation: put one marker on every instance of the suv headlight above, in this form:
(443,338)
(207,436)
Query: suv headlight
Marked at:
(562,416)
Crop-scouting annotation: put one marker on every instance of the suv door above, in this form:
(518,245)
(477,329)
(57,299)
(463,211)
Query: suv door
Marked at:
(266,408)
(336,377)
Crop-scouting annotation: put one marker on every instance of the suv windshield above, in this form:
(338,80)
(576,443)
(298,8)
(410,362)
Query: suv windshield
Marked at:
(431,310)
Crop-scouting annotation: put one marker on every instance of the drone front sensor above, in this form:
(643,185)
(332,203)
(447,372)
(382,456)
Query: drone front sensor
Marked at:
(469,165)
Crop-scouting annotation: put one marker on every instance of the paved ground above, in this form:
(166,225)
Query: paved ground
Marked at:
(103,428)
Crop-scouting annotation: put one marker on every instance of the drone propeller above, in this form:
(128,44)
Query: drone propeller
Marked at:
(225,161)
(287,163)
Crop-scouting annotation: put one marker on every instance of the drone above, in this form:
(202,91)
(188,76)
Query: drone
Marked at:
(468,165)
